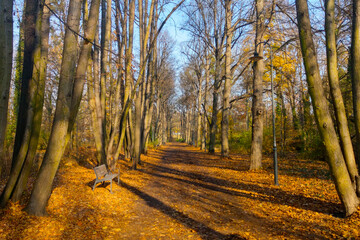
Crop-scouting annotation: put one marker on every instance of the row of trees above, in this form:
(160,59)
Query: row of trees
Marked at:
(227,37)
(96,59)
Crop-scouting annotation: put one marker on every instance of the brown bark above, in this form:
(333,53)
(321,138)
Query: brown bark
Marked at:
(257,104)
(227,85)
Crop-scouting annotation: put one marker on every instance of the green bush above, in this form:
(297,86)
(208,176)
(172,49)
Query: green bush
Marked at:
(240,142)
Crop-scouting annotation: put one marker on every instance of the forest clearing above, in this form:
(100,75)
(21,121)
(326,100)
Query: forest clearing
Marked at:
(180,192)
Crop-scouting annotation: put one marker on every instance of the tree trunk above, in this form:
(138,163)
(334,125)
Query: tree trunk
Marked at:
(257,104)
(217,83)
(6,49)
(119,85)
(37,101)
(28,88)
(69,97)
(355,71)
(204,117)
(227,85)
(345,138)
(104,66)
(326,128)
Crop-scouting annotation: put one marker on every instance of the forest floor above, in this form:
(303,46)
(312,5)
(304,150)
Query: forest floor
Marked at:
(180,192)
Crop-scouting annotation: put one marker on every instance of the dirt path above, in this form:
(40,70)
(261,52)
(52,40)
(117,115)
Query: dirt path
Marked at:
(182,198)
(188,194)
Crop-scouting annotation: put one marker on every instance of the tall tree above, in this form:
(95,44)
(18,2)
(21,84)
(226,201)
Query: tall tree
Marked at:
(257,104)
(37,101)
(332,66)
(355,70)
(228,78)
(104,71)
(325,125)
(69,96)
(28,89)
(6,48)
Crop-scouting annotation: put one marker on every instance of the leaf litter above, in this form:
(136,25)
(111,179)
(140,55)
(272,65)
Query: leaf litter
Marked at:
(181,192)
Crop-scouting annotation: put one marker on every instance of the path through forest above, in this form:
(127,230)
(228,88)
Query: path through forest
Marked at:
(180,192)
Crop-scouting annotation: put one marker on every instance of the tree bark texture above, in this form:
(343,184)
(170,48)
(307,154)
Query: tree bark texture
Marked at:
(257,104)
(227,85)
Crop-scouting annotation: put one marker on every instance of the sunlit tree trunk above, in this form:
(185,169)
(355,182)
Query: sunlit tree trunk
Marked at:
(227,85)
(151,83)
(68,101)
(326,128)
(121,41)
(257,104)
(199,122)
(345,138)
(128,78)
(217,82)
(6,49)
(204,117)
(104,68)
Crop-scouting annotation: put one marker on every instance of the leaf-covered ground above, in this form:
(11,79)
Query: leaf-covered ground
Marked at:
(180,192)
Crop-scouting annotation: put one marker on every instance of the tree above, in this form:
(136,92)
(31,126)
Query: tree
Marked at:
(69,96)
(325,125)
(333,74)
(27,97)
(6,49)
(355,70)
(257,103)
(228,78)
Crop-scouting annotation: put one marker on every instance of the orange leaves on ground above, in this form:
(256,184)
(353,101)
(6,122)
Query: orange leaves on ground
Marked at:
(180,192)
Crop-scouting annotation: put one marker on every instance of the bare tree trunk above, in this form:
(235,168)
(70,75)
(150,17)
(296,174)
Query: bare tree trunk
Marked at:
(345,138)
(326,128)
(104,68)
(198,134)
(217,82)
(6,49)
(257,104)
(150,86)
(227,85)
(128,78)
(119,85)
(28,88)
(69,97)
(39,76)
(204,117)
(355,71)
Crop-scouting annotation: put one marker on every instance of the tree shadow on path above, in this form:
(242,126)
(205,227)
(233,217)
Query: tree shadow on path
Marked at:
(274,195)
(204,231)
